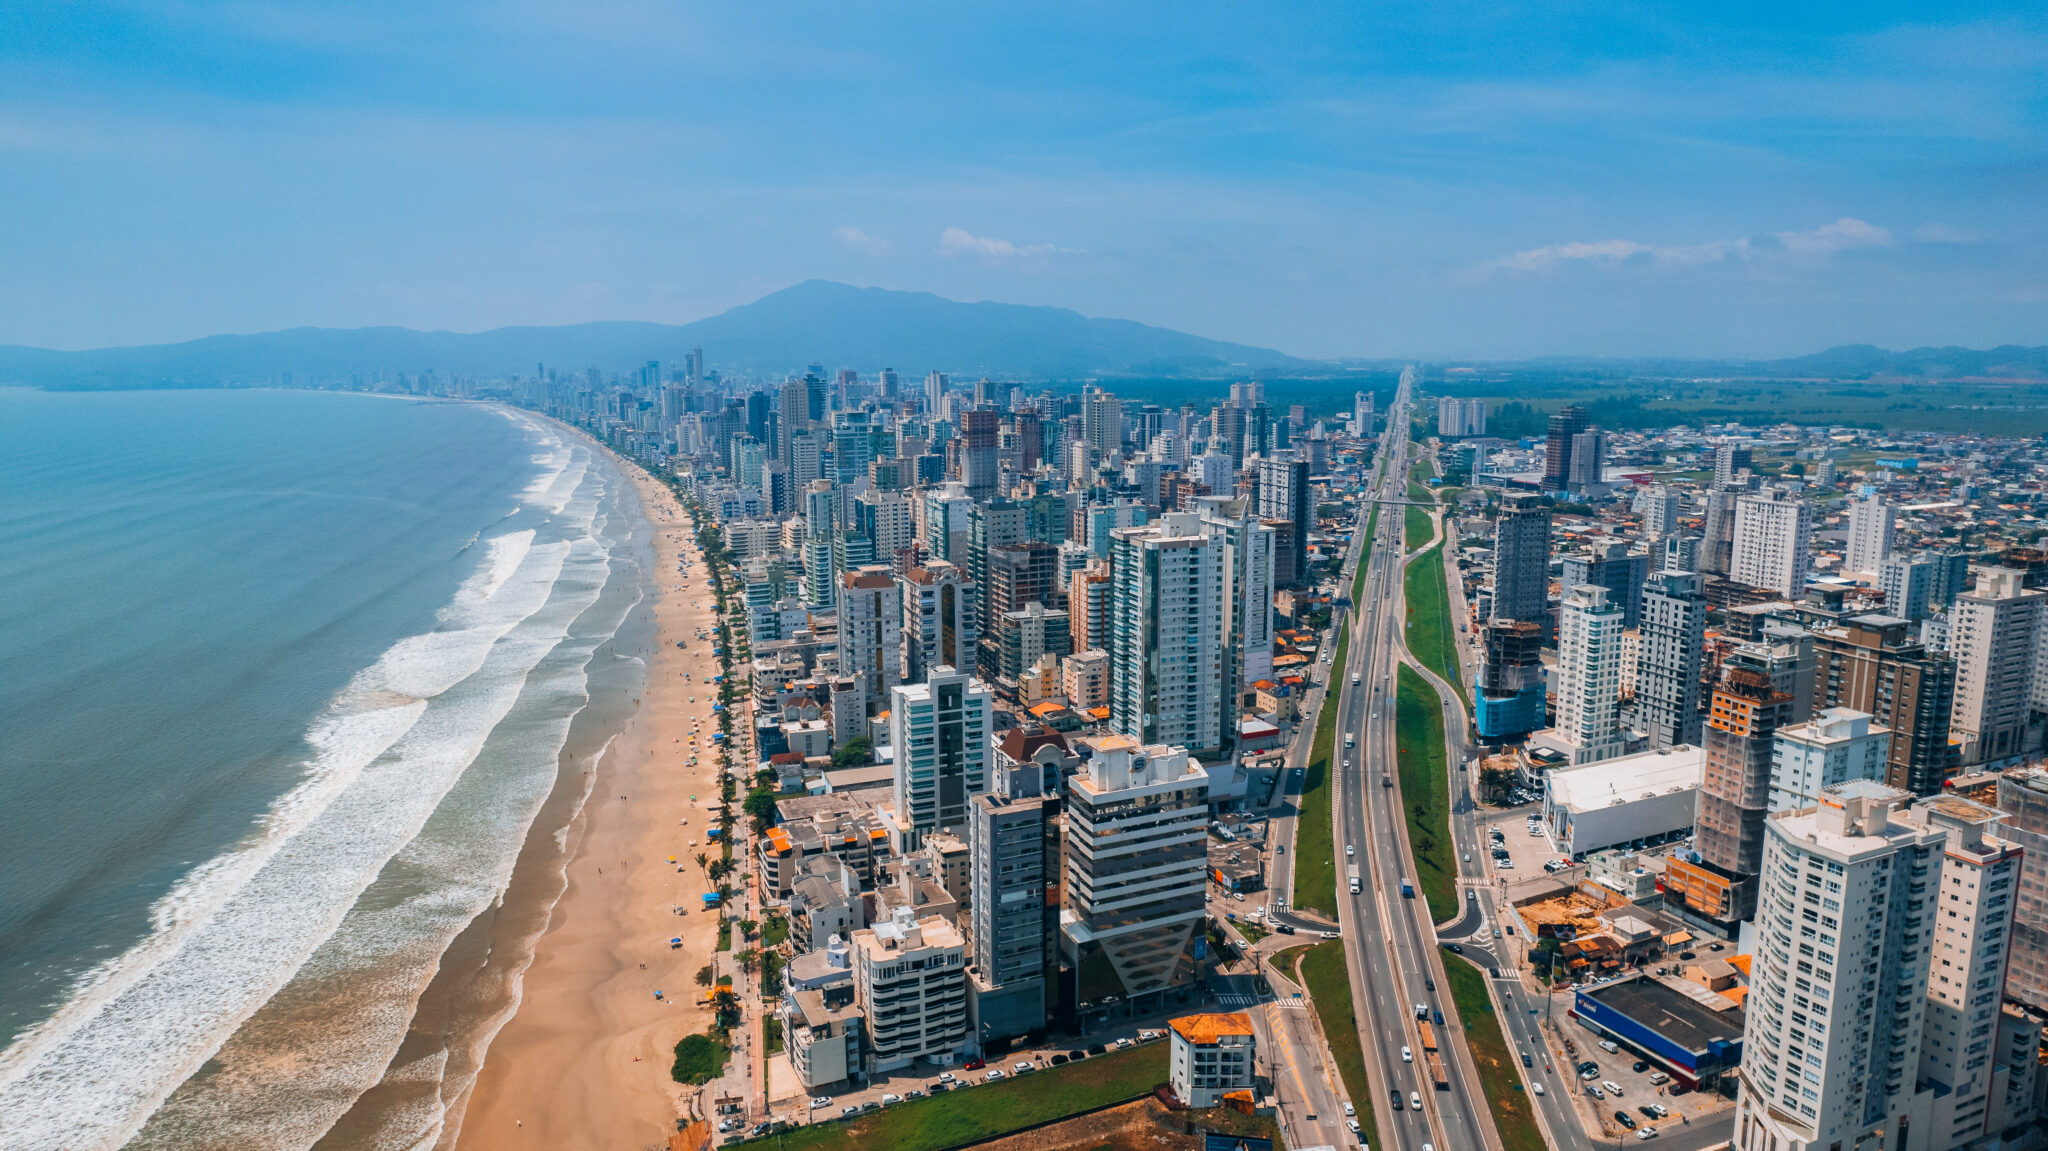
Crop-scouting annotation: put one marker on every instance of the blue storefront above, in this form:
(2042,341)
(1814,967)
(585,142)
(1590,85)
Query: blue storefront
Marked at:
(1691,1039)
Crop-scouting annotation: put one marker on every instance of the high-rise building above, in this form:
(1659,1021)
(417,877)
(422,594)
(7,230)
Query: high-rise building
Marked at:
(941,732)
(1836,746)
(1871,523)
(1521,561)
(2023,796)
(1589,628)
(1673,639)
(1729,460)
(871,631)
(1951,576)
(1874,664)
(1589,460)
(1284,495)
(1024,637)
(1510,701)
(1772,530)
(910,980)
(935,394)
(1661,508)
(1906,582)
(990,525)
(941,619)
(1136,869)
(1880,946)
(1166,633)
(1014,880)
(1610,564)
(978,458)
(947,527)
(1565,424)
(821,525)
(1456,417)
(1735,790)
(1992,633)
(1717,538)
(1099,520)
(1248,567)
(885,517)
(1102,416)
(1361,414)
(1088,607)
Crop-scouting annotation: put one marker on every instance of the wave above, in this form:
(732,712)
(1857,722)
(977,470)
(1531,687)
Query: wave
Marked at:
(239,926)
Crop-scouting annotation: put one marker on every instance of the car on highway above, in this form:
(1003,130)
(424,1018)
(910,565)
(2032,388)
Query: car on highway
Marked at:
(1396,1093)
(1350,850)
(1415,1100)
(1407,1056)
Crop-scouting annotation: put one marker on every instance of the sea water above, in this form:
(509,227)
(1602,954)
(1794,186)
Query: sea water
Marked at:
(286,678)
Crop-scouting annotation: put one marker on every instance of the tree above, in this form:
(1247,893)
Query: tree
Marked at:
(747,927)
(858,750)
(704,864)
(747,958)
(704,976)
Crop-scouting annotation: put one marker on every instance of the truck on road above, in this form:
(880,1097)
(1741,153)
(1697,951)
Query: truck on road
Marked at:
(1407,890)
(1350,739)
(1352,871)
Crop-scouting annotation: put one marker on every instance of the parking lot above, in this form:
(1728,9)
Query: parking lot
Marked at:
(1527,853)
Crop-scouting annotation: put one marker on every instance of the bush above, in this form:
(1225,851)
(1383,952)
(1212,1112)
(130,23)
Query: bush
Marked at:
(699,1060)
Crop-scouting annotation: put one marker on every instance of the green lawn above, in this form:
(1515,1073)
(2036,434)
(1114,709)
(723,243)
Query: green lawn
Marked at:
(1329,985)
(1417,524)
(1315,852)
(1426,792)
(987,1110)
(1430,635)
(1252,932)
(1500,1068)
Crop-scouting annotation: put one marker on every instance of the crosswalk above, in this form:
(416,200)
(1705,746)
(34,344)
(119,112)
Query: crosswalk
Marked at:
(1283,1003)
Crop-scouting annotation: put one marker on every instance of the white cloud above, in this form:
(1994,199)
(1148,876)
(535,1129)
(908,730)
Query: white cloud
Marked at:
(860,241)
(961,242)
(1842,235)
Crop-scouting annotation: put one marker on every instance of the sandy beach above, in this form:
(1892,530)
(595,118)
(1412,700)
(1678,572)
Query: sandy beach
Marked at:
(584,1062)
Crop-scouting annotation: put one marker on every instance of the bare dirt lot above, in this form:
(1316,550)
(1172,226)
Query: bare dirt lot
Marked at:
(1144,1125)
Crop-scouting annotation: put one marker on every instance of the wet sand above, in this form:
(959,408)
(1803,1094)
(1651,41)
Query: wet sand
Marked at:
(584,1062)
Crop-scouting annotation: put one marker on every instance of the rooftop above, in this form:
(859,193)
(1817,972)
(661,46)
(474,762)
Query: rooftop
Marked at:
(1204,1029)
(1679,1016)
(1628,779)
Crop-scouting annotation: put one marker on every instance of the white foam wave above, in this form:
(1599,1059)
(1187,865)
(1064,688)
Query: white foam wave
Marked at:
(140,1024)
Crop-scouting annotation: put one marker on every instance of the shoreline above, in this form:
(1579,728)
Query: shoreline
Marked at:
(583,1059)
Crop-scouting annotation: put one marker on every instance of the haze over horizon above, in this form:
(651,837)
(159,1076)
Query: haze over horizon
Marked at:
(1463,183)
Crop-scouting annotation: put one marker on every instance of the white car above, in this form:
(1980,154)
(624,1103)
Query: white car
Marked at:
(1350,850)
(1349,1109)
(994,1075)
(1647,1133)
(945,1076)
(820,1102)
(1407,1056)
(1415,1101)
(892,1098)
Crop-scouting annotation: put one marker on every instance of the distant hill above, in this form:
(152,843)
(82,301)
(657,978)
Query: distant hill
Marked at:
(815,321)
(818,321)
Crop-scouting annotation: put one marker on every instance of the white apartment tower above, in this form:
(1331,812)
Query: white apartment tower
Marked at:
(1589,631)
(910,979)
(1836,746)
(940,730)
(1166,649)
(1671,641)
(1248,559)
(1881,942)
(1136,868)
(1770,546)
(1456,417)
(1871,523)
(871,631)
(1992,633)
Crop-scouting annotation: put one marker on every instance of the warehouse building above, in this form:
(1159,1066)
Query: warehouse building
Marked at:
(1633,801)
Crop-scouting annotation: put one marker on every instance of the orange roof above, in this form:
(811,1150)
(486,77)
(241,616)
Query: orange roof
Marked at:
(1740,963)
(778,839)
(1098,713)
(1210,1028)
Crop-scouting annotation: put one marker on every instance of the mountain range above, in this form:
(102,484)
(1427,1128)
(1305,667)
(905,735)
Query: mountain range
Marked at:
(819,321)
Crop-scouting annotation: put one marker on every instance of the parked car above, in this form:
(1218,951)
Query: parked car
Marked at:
(1349,1109)
(995,1075)
(820,1102)
(1023,1067)
(1647,1133)
(892,1098)
(1097,1049)
(1613,1088)
(975,1065)
(1058,1060)
(1623,1118)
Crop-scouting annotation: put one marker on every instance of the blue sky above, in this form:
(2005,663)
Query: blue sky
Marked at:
(1483,180)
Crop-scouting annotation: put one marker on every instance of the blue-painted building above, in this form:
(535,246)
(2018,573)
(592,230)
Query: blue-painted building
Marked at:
(1512,716)
(1689,1034)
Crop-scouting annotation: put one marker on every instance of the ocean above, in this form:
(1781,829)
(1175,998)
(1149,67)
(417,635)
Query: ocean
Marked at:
(289,683)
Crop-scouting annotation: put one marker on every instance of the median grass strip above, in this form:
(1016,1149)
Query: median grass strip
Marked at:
(1315,852)
(1429,619)
(1500,1072)
(988,1110)
(1328,979)
(1426,791)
